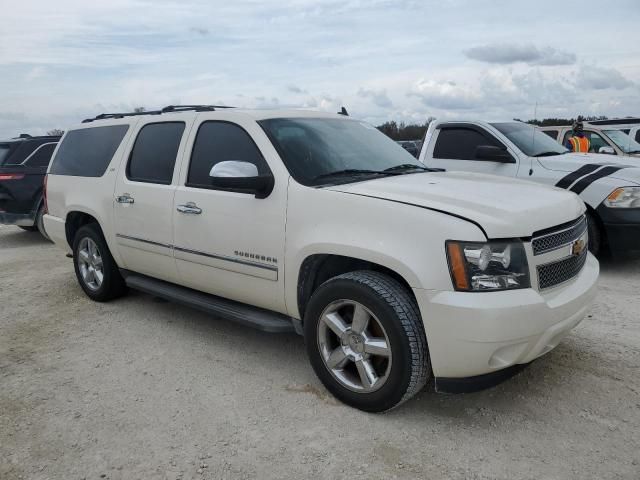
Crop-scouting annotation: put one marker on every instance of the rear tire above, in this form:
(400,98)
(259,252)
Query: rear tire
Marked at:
(40,222)
(96,270)
(376,367)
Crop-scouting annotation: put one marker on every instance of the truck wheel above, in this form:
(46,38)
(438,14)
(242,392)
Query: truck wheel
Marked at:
(95,268)
(365,340)
(40,222)
(595,235)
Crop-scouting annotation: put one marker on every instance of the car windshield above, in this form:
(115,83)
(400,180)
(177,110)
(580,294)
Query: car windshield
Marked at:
(315,150)
(624,141)
(530,140)
(4,151)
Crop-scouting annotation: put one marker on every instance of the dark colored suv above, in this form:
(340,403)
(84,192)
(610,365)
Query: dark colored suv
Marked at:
(23,166)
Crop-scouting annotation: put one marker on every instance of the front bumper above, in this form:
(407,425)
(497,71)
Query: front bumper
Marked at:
(622,228)
(19,219)
(471,334)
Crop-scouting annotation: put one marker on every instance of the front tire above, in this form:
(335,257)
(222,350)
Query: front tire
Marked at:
(595,235)
(95,268)
(366,342)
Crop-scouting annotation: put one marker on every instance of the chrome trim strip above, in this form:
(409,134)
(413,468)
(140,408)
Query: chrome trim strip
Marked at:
(150,242)
(271,268)
(24,162)
(228,259)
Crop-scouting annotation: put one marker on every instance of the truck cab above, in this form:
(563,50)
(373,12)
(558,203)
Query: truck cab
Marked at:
(608,185)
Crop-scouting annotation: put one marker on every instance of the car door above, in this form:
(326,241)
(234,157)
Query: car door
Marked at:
(144,200)
(229,242)
(458,147)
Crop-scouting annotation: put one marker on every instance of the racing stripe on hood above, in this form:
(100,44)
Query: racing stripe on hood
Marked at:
(567,181)
(589,179)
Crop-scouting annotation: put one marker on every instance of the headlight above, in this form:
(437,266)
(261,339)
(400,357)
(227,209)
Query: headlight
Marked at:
(624,197)
(491,266)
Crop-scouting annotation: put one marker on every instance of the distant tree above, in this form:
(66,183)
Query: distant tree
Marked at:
(139,109)
(553,122)
(405,131)
(55,132)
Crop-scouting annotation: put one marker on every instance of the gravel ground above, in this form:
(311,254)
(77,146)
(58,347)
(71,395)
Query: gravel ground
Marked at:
(144,389)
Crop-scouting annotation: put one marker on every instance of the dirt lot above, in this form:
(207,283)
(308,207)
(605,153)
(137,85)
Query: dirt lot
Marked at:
(144,389)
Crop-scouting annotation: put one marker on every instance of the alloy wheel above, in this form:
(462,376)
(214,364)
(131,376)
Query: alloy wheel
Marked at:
(354,346)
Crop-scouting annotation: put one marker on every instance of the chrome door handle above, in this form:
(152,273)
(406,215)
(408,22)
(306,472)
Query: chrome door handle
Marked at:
(190,208)
(124,198)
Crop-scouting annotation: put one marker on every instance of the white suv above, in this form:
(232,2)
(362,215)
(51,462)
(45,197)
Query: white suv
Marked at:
(318,223)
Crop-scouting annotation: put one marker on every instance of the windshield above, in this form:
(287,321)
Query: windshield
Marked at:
(314,149)
(624,141)
(4,152)
(529,139)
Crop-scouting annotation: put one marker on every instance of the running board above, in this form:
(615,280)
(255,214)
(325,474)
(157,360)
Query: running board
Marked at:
(241,313)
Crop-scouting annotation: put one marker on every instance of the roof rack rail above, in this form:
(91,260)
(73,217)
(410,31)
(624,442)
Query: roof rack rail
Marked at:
(105,116)
(196,108)
(167,109)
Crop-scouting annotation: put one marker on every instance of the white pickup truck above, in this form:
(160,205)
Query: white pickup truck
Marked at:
(608,185)
(320,224)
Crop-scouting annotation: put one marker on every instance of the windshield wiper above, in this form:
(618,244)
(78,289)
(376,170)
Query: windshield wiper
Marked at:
(351,172)
(549,154)
(406,166)
(634,151)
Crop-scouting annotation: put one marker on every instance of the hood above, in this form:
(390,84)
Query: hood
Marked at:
(504,207)
(570,162)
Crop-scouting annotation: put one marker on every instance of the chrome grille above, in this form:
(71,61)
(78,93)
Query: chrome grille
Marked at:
(555,273)
(562,236)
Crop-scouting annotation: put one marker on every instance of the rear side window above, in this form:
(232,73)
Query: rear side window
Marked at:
(42,156)
(153,157)
(87,152)
(4,152)
(218,142)
(552,133)
(638,136)
(460,143)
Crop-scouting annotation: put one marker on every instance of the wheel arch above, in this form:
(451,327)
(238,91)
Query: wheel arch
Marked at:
(76,219)
(317,268)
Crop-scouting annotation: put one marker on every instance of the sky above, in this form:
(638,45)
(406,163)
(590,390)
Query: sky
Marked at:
(403,60)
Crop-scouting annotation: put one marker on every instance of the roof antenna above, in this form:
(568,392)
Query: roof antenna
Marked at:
(343,111)
(533,138)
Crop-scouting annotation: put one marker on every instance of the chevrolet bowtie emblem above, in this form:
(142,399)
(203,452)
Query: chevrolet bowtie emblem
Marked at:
(578,247)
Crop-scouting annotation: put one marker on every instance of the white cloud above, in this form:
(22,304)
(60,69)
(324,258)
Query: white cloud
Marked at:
(601,78)
(381,59)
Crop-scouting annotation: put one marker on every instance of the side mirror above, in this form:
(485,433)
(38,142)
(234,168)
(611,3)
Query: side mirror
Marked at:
(490,153)
(242,177)
(607,150)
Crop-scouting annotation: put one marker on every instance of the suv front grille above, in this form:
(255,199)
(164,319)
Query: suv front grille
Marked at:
(562,236)
(555,273)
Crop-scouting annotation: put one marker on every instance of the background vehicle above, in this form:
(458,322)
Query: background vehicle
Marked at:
(602,140)
(411,146)
(609,186)
(392,272)
(23,165)
(630,126)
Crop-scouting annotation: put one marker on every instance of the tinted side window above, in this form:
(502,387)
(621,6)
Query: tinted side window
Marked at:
(638,136)
(218,142)
(460,143)
(87,152)
(154,154)
(552,133)
(42,155)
